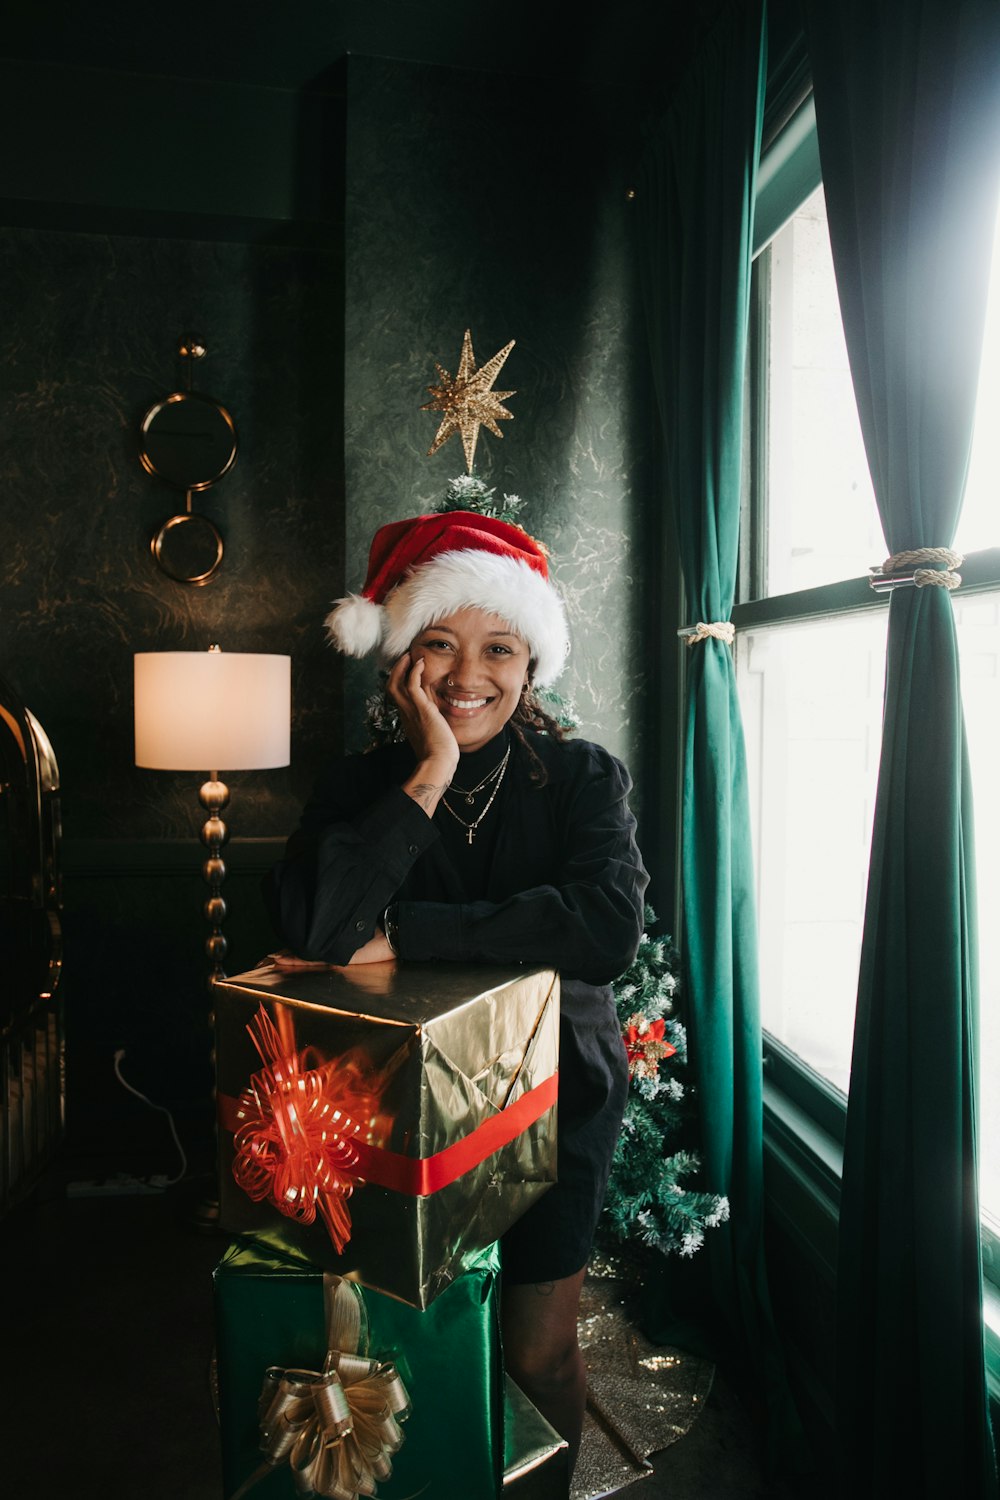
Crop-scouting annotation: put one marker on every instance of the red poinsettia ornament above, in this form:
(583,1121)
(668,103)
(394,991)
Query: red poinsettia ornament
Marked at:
(645,1046)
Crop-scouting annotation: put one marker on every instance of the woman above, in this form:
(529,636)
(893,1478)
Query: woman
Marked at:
(485,837)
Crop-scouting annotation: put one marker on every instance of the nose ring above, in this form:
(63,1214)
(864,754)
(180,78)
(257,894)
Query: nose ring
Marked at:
(449,683)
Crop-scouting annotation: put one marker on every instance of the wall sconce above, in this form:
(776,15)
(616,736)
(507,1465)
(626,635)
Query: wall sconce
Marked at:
(188,441)
(206,711)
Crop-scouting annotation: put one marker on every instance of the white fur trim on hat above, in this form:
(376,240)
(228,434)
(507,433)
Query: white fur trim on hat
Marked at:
(497,585)
(355,625)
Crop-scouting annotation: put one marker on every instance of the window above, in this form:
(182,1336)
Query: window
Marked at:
(810,659)
(822,520)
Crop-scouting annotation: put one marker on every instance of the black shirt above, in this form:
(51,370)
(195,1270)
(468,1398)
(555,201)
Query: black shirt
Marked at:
(552,878)
(555,877)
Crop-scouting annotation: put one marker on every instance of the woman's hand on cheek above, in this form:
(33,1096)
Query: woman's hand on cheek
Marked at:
(426,728)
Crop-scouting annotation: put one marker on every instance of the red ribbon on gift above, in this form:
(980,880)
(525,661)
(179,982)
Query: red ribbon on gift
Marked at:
(296,1135)
(294,1132)
(422,1175)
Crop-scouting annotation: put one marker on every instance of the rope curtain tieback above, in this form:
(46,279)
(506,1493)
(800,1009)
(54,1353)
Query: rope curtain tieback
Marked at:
(903,569)
(718,630)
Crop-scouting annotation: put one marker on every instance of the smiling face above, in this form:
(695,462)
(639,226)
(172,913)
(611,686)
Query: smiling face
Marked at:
(487,665)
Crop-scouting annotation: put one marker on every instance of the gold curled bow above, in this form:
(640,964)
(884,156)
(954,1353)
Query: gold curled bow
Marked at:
(337,1427)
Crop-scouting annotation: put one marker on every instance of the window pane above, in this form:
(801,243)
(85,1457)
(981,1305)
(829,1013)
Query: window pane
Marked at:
(811,696)
(979,523)
(812,693)
(978,618)
(821,517)
(822,520)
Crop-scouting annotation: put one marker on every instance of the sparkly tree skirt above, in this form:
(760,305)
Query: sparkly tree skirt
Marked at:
(641,1397)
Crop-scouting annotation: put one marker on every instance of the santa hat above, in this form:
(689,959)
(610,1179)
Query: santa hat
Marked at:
(423,569)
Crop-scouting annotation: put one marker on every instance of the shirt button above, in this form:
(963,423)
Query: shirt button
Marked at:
(414,848)
(359,926)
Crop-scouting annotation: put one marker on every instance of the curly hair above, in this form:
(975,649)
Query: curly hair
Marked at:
(529,714)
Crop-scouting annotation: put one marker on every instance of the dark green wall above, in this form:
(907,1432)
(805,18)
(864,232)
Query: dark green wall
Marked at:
(170,155)
(499,205)
(470,200)
(88,344)
(89,339)
(103,267)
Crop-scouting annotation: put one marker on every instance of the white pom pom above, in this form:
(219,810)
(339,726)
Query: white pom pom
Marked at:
(354,625)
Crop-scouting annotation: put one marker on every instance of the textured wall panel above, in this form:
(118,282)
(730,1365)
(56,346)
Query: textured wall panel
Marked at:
(499,204)
(88,341)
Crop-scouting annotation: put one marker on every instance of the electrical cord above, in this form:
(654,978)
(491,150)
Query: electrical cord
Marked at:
(171,1181)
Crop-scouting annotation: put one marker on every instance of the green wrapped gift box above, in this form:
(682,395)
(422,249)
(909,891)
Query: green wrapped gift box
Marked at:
(270,1312)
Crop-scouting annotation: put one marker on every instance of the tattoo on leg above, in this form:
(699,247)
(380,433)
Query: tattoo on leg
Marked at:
(545,1288)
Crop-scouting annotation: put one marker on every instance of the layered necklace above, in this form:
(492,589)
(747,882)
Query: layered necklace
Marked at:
(491,782)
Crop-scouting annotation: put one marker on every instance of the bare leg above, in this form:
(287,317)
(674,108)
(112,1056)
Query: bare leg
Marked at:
(542,1354)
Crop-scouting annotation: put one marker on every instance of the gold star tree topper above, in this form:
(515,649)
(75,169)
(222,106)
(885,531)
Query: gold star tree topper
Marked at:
(468,401)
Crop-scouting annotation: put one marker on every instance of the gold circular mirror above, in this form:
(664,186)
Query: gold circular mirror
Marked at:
(188,548)
(187,440)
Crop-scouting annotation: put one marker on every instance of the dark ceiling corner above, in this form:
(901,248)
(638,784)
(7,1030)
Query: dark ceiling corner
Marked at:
(630,43)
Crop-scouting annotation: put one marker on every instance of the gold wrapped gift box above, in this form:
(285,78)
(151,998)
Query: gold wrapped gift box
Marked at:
(386,1121)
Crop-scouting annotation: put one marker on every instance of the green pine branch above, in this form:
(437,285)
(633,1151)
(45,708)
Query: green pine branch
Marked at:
(469,492)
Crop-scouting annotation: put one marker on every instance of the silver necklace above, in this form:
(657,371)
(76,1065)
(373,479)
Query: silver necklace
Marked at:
(471,828)
(497,770)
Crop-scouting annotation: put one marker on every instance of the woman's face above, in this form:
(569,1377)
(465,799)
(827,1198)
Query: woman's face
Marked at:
(475,668)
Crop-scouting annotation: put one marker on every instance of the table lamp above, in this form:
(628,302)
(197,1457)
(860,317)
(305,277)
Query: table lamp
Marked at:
(209,711)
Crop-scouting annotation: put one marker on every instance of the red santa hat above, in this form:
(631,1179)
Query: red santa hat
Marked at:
(423,569)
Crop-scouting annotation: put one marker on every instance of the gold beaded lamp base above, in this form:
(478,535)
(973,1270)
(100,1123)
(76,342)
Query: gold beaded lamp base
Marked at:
(214,796)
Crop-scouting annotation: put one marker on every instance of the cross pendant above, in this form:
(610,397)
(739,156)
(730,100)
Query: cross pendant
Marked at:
(471,834)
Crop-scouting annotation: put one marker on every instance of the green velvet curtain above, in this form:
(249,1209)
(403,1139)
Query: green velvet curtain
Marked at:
(907,97)
(695,200)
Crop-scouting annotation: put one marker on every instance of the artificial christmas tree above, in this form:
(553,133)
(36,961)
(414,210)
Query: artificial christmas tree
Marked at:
(647,1201)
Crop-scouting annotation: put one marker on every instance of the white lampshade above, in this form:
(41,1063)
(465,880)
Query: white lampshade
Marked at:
(212,710)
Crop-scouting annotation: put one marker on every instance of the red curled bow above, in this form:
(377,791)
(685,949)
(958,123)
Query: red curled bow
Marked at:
(295,1130)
